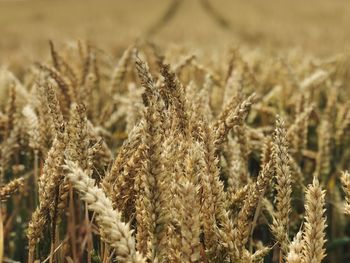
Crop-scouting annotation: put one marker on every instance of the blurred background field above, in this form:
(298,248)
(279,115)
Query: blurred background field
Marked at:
(318,27)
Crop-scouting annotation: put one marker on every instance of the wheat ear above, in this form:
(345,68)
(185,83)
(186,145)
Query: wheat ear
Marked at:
(10,188)
(345,180)
(113,231)
(295,249)
(314,232)
(281,162)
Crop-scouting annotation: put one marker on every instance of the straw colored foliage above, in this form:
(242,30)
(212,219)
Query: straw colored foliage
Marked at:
(165,156)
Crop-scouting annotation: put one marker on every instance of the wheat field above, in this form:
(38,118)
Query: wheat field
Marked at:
(174,131)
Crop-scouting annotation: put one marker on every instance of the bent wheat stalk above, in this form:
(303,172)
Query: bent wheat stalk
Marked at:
(113,231)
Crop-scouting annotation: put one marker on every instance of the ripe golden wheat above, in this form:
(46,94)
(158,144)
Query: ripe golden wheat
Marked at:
(168,157)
